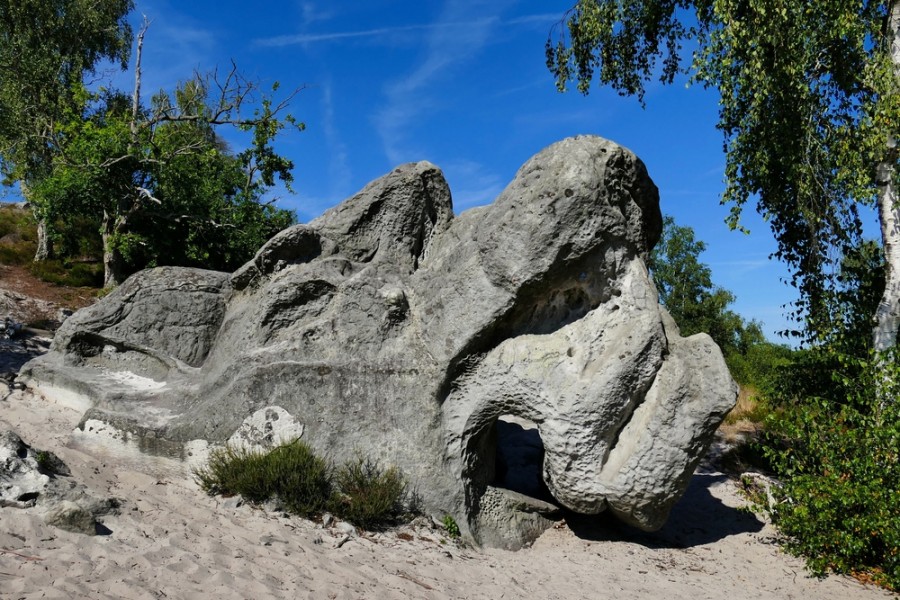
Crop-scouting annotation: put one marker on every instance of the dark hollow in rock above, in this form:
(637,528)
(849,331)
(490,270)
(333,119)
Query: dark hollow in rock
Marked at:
(519,458)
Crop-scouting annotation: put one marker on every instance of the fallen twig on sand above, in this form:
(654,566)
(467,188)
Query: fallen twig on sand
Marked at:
(414,580)
(19,554)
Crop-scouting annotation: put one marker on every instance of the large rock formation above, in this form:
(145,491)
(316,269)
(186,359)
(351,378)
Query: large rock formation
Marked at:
(391,327)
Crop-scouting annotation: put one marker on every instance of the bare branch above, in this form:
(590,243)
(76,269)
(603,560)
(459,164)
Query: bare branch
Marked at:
(145,194)
(136,98)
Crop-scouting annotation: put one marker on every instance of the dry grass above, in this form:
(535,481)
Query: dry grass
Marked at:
(747,407)
(740,431)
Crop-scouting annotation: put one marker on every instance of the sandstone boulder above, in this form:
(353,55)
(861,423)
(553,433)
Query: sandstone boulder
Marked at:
(390,327)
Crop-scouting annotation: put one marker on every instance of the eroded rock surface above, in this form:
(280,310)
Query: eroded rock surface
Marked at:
(390,327)
(39,480)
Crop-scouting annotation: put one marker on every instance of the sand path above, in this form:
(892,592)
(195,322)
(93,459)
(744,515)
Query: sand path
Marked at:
(172,541)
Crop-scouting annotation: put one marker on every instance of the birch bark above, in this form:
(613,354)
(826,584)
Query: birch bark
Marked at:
(887,317)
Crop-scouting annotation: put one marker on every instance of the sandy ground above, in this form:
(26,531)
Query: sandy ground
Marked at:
(173,541)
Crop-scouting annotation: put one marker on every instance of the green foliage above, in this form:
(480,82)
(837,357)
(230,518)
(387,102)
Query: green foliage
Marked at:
(19,228)
(758,366)
(43,460)
(370,496)
(73,274)
(16,253)
(290,472)
(156,182)
(18,232)
(838,450)
(50,464)
(686,289)
(46,47)
(451,526)
(17,222)
(170,193)
(360,491)
(809,98)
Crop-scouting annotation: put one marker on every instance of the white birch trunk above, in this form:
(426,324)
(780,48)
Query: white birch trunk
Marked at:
(887,317)
(44,245)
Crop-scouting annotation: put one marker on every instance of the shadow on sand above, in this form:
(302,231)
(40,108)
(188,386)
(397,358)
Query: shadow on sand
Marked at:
(698,518)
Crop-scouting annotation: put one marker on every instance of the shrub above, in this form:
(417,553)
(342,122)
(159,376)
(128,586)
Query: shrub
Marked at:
(451,526)
(290,472)
(17,221)
(370,496)
(758,365)
(838,453)
(360,491)
(17,252)
(76,274)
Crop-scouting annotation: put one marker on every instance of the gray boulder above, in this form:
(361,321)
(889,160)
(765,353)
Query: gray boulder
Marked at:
(390,327)
(32,478)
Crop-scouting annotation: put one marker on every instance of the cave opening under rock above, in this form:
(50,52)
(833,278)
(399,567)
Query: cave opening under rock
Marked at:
(519,458)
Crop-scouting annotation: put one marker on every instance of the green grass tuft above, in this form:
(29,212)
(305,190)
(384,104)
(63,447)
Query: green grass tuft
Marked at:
(360,491)
(290,472)
(451,526)
(370,496)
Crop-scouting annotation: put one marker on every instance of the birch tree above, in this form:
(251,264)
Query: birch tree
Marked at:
(46,48)
(810,112)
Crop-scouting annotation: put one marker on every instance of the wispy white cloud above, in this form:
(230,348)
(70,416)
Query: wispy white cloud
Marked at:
(742,266)
(338,167)
(542,19)
(588,118)
(453,39)
(174,49)
(310,13)
(472,184)
(386,34)
(541,82)
(377,33)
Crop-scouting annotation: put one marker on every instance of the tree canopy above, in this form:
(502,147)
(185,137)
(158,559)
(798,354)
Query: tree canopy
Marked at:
(810,108)
(47,47)
(686,289)
(158,180)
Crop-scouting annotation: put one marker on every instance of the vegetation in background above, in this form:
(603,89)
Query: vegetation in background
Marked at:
(18,242)
(834,441)
(168,191)
(360,491)
(155,183)
(47,48)
(160,182)
(18,236)
(686,290)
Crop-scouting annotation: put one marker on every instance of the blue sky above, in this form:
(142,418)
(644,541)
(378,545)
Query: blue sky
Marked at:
(463,84)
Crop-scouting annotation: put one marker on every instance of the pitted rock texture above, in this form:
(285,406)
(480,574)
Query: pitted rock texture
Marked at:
(390,327)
